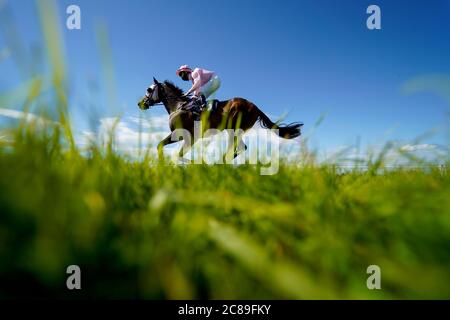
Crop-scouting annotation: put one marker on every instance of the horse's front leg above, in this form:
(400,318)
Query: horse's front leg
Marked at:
(187,145)
(164,142)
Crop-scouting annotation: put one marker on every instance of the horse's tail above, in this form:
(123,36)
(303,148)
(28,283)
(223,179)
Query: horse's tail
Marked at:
(289,131)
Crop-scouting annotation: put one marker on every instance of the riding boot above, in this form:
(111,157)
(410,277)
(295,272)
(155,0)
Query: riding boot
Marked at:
(197,109)
(203,100)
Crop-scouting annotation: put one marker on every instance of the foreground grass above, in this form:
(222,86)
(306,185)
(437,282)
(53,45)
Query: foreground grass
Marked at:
(141,231)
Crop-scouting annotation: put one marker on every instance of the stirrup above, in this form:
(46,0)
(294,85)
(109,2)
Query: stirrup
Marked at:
(197,116)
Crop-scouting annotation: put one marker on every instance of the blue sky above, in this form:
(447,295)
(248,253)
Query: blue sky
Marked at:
(300,58)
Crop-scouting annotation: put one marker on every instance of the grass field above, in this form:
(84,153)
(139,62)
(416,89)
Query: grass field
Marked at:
(157,231)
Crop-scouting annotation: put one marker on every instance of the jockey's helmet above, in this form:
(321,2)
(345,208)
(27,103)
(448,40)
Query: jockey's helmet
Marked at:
(184,71)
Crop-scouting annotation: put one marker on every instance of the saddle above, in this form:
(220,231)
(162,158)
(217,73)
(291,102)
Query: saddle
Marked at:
(199,105)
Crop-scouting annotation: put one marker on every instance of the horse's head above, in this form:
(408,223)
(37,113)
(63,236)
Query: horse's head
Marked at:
(153,95)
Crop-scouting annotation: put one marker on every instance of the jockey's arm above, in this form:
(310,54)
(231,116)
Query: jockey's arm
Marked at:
(197,83)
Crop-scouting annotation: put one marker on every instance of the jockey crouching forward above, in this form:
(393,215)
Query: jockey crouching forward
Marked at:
(204,84)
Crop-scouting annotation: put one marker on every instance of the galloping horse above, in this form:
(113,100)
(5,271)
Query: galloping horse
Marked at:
(236,113)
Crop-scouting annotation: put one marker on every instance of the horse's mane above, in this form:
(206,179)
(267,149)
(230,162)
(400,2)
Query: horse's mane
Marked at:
(177,91)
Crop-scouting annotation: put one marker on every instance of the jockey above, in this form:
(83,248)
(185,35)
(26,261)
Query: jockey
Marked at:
(204,82)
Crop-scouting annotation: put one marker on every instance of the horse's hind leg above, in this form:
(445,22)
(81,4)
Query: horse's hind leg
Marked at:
(235,144)
(240,146)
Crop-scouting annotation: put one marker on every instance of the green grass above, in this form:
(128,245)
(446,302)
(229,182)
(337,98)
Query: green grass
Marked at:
(141,230)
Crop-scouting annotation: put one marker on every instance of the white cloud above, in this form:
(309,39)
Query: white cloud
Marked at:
(399,154)
(16,114)
(20,115)
(126,135)
(418,147)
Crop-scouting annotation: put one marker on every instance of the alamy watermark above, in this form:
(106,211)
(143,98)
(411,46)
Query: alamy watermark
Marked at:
(374,20)
(74,280)
(374,280)
(263,147)
(73,21)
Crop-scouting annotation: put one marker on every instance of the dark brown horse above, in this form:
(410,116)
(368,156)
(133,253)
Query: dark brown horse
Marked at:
(236,113)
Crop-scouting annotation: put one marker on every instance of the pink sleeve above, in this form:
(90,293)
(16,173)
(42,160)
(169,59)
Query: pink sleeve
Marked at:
(197,75)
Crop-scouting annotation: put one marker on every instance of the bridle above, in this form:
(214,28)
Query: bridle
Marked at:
(155,94)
